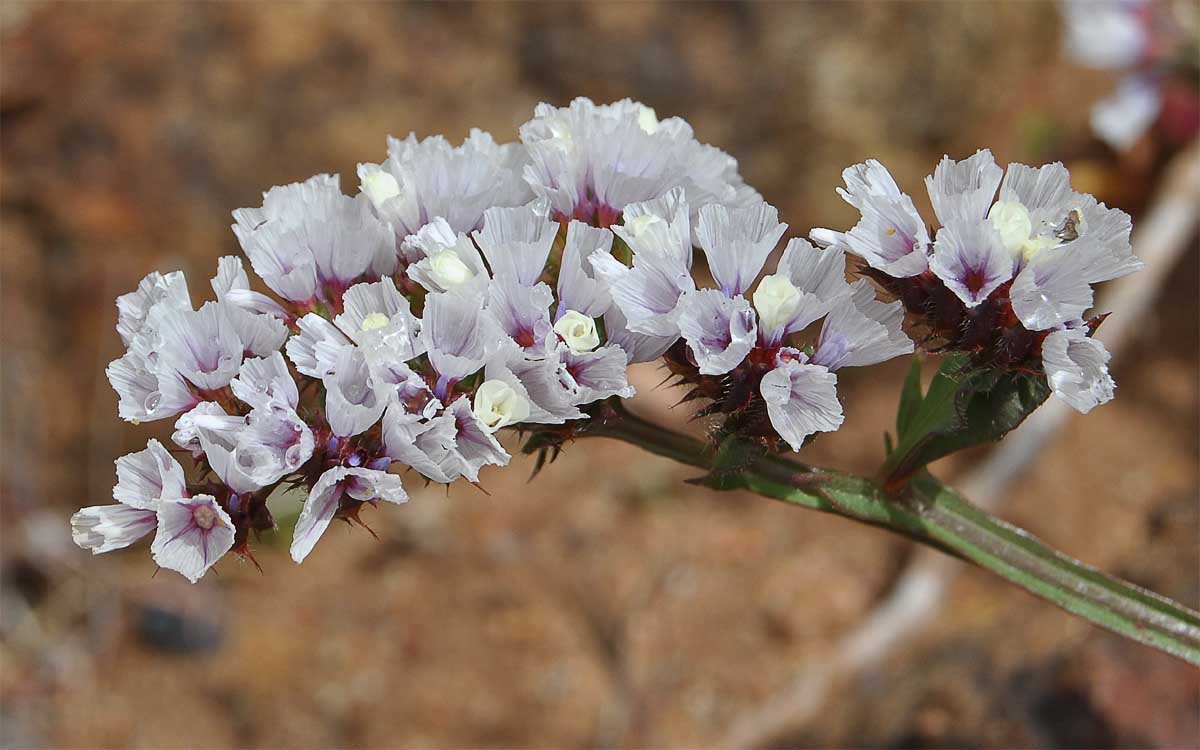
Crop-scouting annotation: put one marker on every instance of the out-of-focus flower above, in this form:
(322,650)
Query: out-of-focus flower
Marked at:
(1154,43)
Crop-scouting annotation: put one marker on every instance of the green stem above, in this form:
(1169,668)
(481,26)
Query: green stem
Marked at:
(936,515)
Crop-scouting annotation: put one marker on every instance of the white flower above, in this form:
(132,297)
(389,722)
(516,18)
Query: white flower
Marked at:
(969,256)
(577,331)
(459,334)
(155,289)
(737,242)
(498,405)
(517,241)
(354,399)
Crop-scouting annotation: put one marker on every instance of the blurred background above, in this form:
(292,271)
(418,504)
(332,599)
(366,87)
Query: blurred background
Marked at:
(607,603)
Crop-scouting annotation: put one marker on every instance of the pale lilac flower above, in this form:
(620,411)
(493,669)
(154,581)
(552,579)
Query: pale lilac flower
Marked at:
(143,480)
(1077,368)
(423,180)
(474,443)
(591,161)
(720,330)
(579,289)
(805,281)
(801,398)
(206,346)
(596,375)
(377,314)
(647,292)
(309,241)
(522,312)
(459,335)
(354,399)
(891,235)
(147,392)
(517,241)
(860,331)
(193,533)
(264,380)
(316,349)
(231,284)
(736,243)
(422,441)
(339,484)
(132,309)
(638,347)
(442,260)
(971,259)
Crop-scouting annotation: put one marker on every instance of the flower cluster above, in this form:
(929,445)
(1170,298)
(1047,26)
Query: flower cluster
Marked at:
(468,289)
(1007,277)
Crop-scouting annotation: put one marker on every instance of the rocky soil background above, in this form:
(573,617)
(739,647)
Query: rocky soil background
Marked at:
(606,603)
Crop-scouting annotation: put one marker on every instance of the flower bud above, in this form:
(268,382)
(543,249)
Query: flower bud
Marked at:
(1012,221)
(578,331)
(374,321)
(640,225)
(647,118)
(498,405)
(776,301)
(448,270)
(380,187)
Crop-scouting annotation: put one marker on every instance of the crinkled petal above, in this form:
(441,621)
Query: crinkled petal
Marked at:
(133,309)
(104,528)
(578,287)
(316,349)
(1076,367)
(638,347)
(860,331)
(737,242)
(1051,289)
(146,477)
(263,379)
(801,400)
(1045,191)
(354,401)
(517,241)
(459,335)
(964,190)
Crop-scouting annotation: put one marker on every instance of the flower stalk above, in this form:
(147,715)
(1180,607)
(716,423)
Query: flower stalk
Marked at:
(932,513)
